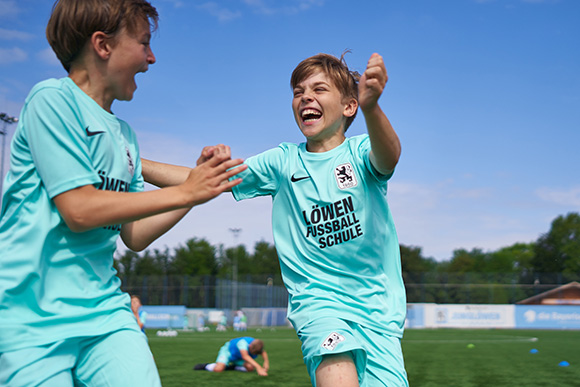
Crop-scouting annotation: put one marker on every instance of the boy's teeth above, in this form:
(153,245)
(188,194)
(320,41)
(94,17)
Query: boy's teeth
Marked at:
(311,114)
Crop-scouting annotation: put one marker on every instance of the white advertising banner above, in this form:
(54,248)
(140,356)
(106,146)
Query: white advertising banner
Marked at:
(469,316)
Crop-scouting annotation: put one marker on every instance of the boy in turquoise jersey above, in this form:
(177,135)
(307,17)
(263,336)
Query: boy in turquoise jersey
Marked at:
(239,354)
(333,230)
(73,187)
(334,234)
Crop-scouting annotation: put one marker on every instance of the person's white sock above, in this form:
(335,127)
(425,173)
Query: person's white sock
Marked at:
(210,367)
(241,368)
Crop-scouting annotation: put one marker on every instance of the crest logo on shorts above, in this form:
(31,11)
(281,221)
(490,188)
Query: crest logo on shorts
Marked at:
(345,176)
(332,341)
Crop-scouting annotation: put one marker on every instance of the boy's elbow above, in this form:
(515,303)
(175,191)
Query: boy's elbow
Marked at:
(77,222)
(133,243)
(136,247)
(385,165)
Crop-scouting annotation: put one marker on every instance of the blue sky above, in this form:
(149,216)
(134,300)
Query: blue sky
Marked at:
(484,94)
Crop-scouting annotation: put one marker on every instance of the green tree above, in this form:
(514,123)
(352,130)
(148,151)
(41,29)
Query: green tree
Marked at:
(512,259)
(559,249)
(125,264)
(147,265)
(265,259)
(464,261)
(197,257)
(412,260)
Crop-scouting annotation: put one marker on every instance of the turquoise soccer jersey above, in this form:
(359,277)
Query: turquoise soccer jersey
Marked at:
(55,283)
(334,234)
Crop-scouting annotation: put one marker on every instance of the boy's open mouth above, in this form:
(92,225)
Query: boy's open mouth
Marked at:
(311,115)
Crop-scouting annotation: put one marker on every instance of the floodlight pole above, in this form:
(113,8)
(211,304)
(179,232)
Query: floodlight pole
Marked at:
(236,232)
(6,119)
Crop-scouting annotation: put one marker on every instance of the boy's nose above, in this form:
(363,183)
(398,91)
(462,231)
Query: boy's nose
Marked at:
(151,57)
(306,97)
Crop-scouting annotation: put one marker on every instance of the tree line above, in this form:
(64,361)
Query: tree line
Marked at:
(553,258)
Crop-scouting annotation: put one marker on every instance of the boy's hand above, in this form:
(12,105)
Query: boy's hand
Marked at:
(372,83)
(261,371)
(211,177)
(208,151)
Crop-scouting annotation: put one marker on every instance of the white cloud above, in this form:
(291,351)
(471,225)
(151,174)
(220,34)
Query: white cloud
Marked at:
(12,55)
(222,14)
(176,3)
(269,7)
(8,8)
(563,197)
(49,57)
(474,193)
(14,35)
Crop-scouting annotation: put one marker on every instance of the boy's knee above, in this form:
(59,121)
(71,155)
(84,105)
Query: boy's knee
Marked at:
(219,367)
(249,367)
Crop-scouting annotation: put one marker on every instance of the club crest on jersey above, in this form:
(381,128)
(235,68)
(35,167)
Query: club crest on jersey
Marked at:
(345,176)
(130,161)
(332,341)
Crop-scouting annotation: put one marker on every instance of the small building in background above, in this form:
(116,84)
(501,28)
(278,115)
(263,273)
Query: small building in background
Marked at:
(568,294)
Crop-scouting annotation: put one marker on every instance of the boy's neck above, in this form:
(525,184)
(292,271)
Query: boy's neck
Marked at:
(325,145)
(90,85)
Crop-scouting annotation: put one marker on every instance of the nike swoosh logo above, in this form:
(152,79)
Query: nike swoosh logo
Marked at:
(90,134)
(294,179)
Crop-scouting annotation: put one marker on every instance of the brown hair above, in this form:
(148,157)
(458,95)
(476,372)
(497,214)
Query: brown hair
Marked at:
(256,347)
(73,22)
(336,69)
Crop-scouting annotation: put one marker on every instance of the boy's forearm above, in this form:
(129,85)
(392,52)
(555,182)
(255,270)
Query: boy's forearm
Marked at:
(163,175)
(85,208)
(139,234)
(252,362)
(385,144)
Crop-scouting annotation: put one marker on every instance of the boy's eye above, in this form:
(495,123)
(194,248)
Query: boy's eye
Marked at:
(297,93)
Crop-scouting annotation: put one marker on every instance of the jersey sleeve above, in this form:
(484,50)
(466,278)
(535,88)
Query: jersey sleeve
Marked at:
(363,152)
(57,142)
(262,177)
(243,345)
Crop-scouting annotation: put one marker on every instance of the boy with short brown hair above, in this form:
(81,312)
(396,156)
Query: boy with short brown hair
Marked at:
(333,230)
(74,186)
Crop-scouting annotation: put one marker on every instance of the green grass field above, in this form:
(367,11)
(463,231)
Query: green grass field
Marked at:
(449,357)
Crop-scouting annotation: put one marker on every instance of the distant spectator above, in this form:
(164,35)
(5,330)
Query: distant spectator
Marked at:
(138,311)
(222,325)
(237,321)
(243,321)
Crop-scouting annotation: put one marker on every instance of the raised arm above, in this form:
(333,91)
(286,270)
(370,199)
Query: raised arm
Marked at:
(385,144)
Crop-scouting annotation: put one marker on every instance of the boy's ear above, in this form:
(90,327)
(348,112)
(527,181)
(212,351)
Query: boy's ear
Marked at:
(350,107)
(101,44)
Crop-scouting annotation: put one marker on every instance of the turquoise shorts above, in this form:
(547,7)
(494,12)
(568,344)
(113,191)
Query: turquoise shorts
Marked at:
(378,357)
(121,358)
(224,356)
